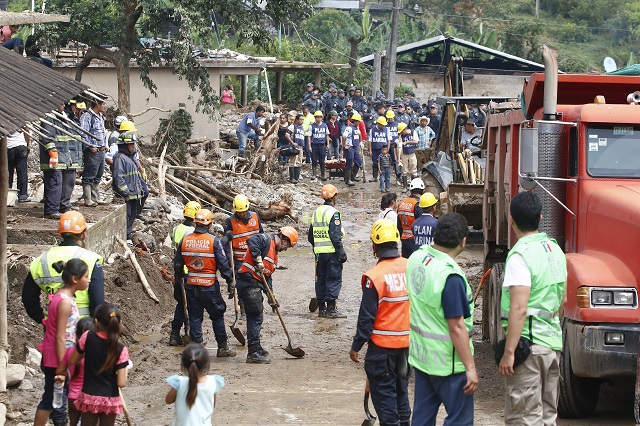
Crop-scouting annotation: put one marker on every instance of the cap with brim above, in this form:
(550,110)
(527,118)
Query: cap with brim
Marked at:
(349,103)
(333,112)
(293,113)
(470,121)
(340,91)
(309,84)
(434,106)
(425,118)
(332,85)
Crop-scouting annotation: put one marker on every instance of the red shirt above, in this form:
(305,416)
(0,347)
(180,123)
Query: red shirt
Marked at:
(334,128)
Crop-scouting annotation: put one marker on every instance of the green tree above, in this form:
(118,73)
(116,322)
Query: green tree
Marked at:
(121,23)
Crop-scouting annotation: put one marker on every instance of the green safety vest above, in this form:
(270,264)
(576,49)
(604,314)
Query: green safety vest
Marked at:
(177,235)
(321,219)
(431,349)
(548,267)
(50,280)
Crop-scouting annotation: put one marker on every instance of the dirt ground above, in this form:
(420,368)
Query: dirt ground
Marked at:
(324,387)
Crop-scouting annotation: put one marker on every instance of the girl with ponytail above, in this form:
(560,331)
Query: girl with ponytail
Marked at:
(105,368)
(195,395)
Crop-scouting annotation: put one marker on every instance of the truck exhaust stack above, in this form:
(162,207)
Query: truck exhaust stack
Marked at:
(550,84)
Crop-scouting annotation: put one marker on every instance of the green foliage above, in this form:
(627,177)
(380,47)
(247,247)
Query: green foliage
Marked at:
(398,91)
(174,131)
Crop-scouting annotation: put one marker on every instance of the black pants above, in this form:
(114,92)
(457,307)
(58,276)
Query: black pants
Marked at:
(68,183)
(52,191)
(93,167)
(17,158)
(329,282)
(251,295)
(178,315)
(133,209)
(199,299)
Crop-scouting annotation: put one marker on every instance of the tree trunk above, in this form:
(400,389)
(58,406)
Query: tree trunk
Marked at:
(4,339)
(353,57)
(124,82)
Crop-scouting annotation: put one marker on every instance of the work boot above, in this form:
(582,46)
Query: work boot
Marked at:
(297,174)
(354,173)
(292,175)
(332,312)
(86,194)
(405,183)
(262,351)
(347,177)
(257,358)
(313,172)
(175,339)
(322,310)
(95,194)
(224,351)
(322,168)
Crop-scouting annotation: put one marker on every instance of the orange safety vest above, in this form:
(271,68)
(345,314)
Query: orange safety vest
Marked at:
(199,257)
(270,261)
(391,326)
(242,232)
(405,213)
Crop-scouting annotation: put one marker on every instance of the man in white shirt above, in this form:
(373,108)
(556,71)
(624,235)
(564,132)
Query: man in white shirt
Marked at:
(17,153)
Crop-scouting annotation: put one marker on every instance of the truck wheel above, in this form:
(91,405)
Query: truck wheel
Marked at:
(493,309)
(577,396)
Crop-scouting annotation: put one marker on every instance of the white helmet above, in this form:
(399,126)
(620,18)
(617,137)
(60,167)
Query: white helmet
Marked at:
(416,183)
(120,119)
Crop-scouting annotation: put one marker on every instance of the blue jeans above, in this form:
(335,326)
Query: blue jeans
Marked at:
(199,299)
(93,167)
(334,147)
(247,291)
(242,140)
(12,43)
(319,152)
(329,282)
(58,415)
(385,174)
(431,391)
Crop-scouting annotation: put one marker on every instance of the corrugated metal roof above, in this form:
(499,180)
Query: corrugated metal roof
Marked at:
(29,89)
(27,17)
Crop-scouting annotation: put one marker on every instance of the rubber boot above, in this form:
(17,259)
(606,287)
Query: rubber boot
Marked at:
(292,174)
(95,194)
(405,183)
(255,357)
(354,173)
(224,351)
(313,172)
(322,309)
(86,194)
(175,339)
(297,174)
(375,174)
(322,169)
(347,177)
(332,312)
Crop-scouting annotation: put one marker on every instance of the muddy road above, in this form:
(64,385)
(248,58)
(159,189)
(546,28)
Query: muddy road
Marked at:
(324,387)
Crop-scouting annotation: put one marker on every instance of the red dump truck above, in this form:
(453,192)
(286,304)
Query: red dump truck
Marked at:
(575,142)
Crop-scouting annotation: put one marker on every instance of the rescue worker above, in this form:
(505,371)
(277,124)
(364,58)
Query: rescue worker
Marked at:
(112,139)
(203,256)
(358,101)
(261,260)
(177,234)
(51,168)
(126,176)
(314,103)
(441,318)
(318,144)
(379,137)
(533,296)
(351,145)
(43,277)
(69,161)
(408,210)
(383,323)
(342,101)
(392,126)
(408,142)
(326,235)
(402,116)
(425,225)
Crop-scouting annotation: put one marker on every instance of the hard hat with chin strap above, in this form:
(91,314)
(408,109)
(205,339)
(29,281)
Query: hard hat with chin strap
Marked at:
(382,120)
(384,231)
(401,127)
(241,203)
(190,209)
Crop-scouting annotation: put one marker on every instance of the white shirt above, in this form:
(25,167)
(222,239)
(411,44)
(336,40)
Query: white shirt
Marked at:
(517,272)
(388,213)
(16,139)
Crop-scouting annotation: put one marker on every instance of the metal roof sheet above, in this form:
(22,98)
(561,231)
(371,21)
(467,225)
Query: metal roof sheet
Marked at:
(29,89)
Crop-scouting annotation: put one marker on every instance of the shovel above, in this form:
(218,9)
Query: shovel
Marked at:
(234,327)
(124,409)
(371,419)
(297,351)
(313,303)
(187,337)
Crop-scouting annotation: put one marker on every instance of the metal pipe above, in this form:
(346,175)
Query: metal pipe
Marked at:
(266,79)
(76,137)
(550,103)
(73,123)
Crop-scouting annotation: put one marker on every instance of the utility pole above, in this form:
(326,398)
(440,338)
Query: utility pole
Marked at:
(537,8)
(377,72)
(392,49)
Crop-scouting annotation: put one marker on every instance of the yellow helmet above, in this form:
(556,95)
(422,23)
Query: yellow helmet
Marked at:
(241,203)
(401,127)
(427,199)
(190,209)
(382,120)
(356,116)
(390,114)
(203,217)
(384,231)
(318,113)
(127,126)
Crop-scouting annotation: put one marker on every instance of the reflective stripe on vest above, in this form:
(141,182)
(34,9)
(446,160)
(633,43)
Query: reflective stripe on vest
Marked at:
(198,253)
(548,270)
(321,219)
(405,214)
(178,233)
(49,280)
(269,261)
(431,350)
(242,232)
(391,325)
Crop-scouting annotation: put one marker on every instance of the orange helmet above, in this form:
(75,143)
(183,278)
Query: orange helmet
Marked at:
(72,222)
(290,233)
(203,217)
(328,191)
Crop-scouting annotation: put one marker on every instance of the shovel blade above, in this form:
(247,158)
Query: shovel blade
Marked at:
(295,352)
(369,422)
(313,305)
(238,335)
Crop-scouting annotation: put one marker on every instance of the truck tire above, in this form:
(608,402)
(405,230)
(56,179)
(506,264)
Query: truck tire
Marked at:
(577,396)
(493,306)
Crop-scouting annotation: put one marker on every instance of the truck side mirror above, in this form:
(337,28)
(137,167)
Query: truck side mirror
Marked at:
(528,152)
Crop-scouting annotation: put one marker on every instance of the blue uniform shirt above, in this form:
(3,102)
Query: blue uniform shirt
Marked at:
(423,229)
(319,133)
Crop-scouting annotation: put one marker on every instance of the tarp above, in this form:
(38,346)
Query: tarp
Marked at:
(629,70)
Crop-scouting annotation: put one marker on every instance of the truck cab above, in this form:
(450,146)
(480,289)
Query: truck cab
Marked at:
(588,161)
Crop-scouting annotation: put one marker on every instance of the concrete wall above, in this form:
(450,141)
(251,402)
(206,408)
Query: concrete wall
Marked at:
(424,85)
(171,92)
(101,235)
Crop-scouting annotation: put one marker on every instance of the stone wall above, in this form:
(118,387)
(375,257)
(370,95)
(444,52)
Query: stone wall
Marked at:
(424,85)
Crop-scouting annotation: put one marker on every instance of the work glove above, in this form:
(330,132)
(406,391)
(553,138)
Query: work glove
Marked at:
(274,303)
(258,265)
(143,173)
(53,159)
(229,235)
(231,289)
(399,163)
(342,256)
